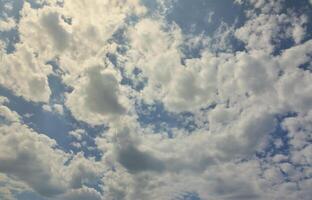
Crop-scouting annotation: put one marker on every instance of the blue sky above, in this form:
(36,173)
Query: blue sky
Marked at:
(155,99)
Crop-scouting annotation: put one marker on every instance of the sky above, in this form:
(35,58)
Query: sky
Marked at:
(155,99)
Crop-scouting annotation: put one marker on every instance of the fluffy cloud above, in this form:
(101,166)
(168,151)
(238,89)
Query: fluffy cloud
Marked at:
(270,26)
(97,99)
(246,90)
(65,32)
(20,160)
(251,107)
(6,25)
(33,87)
(44,172)
(56,31)
(156,160)
(19,157)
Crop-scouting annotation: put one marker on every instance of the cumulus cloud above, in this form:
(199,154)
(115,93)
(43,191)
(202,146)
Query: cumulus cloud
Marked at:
(7,115)
(33,87)
(59,31)
(44,172)
(245,92)
(132,158)
(97,98)
(118,62)
(19,159)
(6,25)
(59,36)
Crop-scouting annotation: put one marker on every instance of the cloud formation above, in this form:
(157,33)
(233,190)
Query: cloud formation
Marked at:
(150,109)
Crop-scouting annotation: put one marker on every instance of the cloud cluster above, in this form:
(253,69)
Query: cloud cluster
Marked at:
(251,107)
(35,160)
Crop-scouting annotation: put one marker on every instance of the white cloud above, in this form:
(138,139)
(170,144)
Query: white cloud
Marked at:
(247,88)
(97,98)
(298,33)
(259,32)
(250,88)
(244,91)
(46,34)
(78,134)
(47,108)
(8,115)
(177,86)
(66,32)
(19,159)
(3,100)
(32,87)
(9,186)
(7,24)
(58,109)
(44,172)
(266,29)
(181,162)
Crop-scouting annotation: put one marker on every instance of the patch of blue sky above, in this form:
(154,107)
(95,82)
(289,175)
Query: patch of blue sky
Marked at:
(13,11)
(131,82)
(118,36)
(161,120)
(189,196)
(152,5)
(10,37)
(278,140)
(54,125)
(135,83)
(201,16)
(44,122)
(58,91)
(297,7)
(279,145)
(36,4)
(58,88)
(28,195)
(306,66)
(206,19)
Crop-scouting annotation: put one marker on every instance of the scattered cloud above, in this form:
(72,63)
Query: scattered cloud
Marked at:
(124,69)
